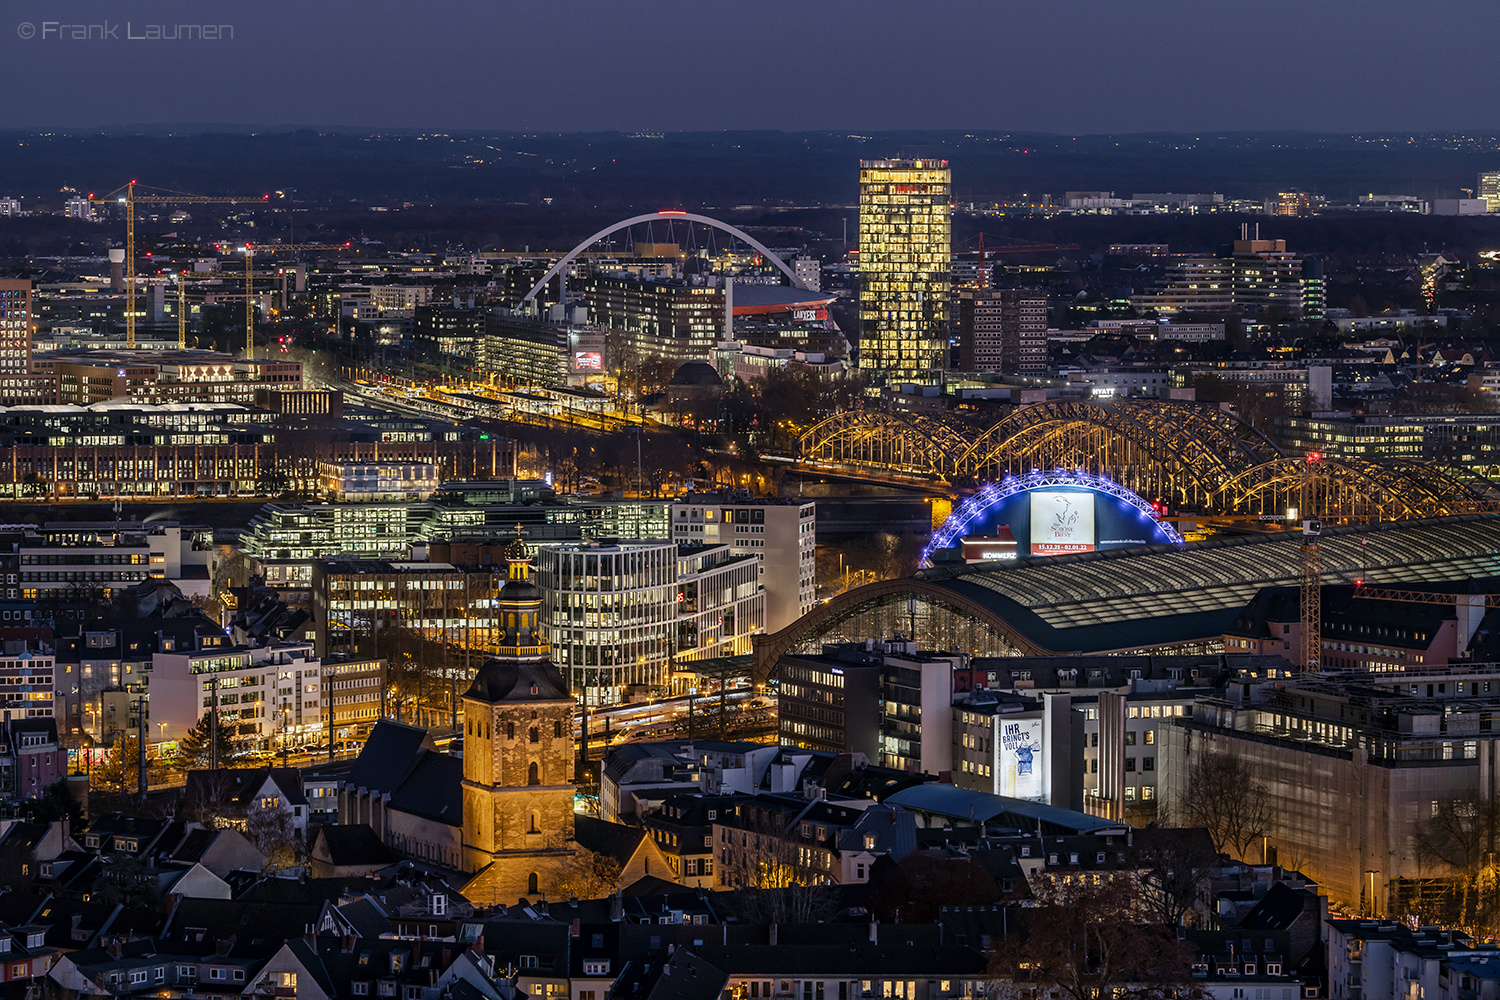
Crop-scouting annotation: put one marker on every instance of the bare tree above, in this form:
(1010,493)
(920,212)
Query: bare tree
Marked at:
(1086,940)
(1460,836)
(1226,797)
(1172,869)
(272,833)
(773,872)
(589,875)
(210,800)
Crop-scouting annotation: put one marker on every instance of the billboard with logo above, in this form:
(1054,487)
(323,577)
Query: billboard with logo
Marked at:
(1022,758)
(1061,521)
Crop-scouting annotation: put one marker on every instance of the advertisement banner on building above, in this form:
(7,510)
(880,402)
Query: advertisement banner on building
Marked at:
(1061,522)
(1021,759)
(588,361)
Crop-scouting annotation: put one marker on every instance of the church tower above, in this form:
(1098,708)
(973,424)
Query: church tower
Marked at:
(518,754)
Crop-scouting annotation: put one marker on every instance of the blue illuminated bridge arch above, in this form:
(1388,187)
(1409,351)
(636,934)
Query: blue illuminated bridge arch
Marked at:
(734,231)
(992,494)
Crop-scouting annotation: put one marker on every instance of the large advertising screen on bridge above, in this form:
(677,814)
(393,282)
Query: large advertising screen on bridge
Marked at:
(1061,522)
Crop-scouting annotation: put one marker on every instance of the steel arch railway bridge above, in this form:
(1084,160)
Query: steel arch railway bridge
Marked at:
(1192,455)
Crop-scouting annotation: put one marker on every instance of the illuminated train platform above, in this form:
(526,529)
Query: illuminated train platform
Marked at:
(1147,599)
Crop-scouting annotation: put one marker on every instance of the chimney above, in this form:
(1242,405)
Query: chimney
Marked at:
(874,932)
(772,932)
(346,944)
(577,927)
(616,907)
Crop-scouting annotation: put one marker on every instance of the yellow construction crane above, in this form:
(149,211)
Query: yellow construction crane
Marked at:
(1312,567)
(182,309)
(129,200)
(250,251)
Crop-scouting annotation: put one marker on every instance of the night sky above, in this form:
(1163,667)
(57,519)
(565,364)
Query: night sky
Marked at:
(1085,66)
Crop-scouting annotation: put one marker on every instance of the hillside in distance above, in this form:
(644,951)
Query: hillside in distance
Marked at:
(620,172)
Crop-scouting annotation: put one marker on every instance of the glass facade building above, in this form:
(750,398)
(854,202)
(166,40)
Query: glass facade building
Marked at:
(904,246)
(618,614)
(610,614)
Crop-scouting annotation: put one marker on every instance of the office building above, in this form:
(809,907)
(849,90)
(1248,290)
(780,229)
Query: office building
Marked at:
(678,320)
(517,351)
(285,539)
(267,696)
(1258,277)
(1353,767)
(1465,439)
(1003,331)
(872,698)
(354,690)
(370,481)
(617,615)
(904,285)
(354,599)
(64,556)
(449,329)
(27,681)
(809,271)
(782,534)
(84,377)
(15,333)
(1295,203)
(1489,190)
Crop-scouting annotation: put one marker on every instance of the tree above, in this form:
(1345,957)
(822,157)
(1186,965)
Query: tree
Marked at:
(209,800)
(589,875)
(1225,796)
(1086,940)
(196,749)
(417,668)
(1172,869)
(1460,835)
(273,834)
(120,773)
(767,870)
(56,802)
(35,485)
(127,881)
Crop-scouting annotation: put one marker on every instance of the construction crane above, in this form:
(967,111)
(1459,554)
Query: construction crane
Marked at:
(1312,567)
(1009,245)
(182,309)
(250,251)
(129,200)
(1488,601)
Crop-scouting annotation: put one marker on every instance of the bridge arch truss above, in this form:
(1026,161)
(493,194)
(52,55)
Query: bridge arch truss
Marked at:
(1192,455)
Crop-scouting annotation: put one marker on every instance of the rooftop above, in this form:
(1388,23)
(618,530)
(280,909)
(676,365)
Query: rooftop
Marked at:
(1118,599)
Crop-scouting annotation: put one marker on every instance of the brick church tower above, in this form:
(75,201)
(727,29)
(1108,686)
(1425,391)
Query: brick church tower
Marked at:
(518,754)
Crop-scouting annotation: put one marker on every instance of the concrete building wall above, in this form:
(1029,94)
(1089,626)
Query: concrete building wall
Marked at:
(1334,815)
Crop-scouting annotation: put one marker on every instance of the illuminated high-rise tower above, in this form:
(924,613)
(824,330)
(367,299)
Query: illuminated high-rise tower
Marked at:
(904,244)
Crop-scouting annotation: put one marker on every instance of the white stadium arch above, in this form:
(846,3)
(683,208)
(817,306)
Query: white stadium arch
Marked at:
(734,231)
